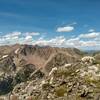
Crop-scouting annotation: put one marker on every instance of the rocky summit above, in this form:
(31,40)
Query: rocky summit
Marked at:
(30,72)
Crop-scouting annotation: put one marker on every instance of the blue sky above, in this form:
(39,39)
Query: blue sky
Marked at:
(68,23)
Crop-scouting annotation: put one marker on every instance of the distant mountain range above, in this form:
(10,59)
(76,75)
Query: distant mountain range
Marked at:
(39,56)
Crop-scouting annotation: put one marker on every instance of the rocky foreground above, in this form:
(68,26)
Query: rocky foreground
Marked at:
(78,81)
(60,78)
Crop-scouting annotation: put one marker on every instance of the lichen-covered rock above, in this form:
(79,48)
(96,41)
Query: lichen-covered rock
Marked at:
(88,60)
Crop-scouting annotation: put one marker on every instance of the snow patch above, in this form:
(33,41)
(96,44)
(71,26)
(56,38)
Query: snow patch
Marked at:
(4,56)
(68,65)
(16,51)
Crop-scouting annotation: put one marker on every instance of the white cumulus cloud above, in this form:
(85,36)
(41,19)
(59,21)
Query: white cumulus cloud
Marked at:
(90,35)
(91,30)
(32,33)
(88,40)
(65,29)
(28,37)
